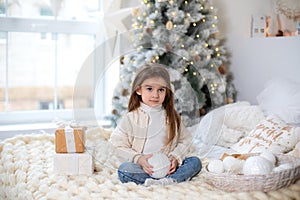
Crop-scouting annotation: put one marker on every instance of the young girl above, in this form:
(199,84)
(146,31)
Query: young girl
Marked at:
(153,125)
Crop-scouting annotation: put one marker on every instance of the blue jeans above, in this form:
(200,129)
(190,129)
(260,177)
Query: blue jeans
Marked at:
(132,172)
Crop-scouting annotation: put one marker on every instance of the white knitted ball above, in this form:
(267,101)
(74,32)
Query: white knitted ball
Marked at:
(256,165)
(160,163)
(269,156)
(216,166)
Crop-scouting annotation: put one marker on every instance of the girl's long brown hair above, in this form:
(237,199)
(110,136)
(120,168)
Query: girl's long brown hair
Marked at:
(151,70)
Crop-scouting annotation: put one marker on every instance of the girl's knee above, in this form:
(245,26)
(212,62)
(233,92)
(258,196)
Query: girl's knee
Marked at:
(130,172)
(122,172)
(123,167)
(197,164)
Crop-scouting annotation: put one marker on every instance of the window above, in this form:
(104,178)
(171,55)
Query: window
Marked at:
(43,45)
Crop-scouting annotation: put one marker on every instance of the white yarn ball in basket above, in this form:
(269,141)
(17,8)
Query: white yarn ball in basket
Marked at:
(257,165)
(232,164)
(216,166)
(269,156)
(160,163)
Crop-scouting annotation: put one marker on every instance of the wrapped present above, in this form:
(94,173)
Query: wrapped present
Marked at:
(69,140)
(73,163)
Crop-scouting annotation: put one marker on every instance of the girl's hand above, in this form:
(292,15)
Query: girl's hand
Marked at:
(143,161)
(173,165)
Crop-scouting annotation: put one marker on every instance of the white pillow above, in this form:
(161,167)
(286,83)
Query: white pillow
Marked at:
(271,134)
(243,118)
(282,98)
(225,126)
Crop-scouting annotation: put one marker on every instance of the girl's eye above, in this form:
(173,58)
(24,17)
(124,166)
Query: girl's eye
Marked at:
(149,88)
(162,90)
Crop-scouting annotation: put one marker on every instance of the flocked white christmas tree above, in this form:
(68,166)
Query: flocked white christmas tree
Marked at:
(180,34)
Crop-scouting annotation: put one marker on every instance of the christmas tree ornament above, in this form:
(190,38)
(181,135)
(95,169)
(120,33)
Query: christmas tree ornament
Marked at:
(197,58)
(169,25)
(222,69)
(202,111)
(124,92)
(229,100)
(114,112)
(149,30)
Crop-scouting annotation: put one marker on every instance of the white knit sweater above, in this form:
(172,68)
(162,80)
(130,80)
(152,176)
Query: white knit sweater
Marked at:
(156,132)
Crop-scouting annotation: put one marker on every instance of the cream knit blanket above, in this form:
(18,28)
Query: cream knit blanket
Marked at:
(26,172)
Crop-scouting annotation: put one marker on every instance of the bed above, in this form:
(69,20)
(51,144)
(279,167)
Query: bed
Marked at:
(26,162)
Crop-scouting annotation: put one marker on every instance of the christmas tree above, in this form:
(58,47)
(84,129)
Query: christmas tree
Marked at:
(181,34)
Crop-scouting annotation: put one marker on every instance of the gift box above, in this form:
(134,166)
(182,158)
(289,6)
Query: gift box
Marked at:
(69,140)
(73,163)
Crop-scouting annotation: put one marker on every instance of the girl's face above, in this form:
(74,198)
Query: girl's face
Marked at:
(153,91)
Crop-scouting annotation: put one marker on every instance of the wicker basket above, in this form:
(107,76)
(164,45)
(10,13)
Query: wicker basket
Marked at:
(267,182)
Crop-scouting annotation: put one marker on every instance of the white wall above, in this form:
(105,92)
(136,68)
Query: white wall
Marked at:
(254,61)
